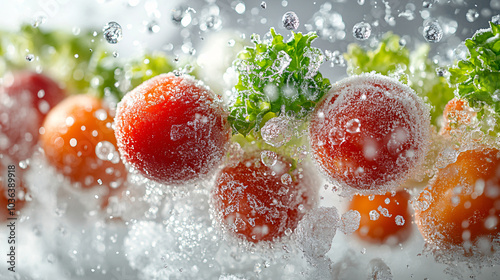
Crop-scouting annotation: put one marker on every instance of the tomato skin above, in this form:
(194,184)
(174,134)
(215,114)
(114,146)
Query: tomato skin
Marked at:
(385,228)
(72,131)
(463,202)
(258,205)
(26,98)
(370,133)
(172,129)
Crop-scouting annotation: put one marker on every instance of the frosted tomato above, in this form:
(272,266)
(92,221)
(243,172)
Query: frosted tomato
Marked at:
(25,100)
(462,204)
(258,202)
(370,133)
(172,129)
(79,141)
(384,218)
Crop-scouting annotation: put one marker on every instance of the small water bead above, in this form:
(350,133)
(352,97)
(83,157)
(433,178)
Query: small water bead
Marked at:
(112,32)
(353,126)
(290,21)
(400,221)
(178,14)
(361,2)
(471,15)
(153,26)
(263,5)
(106,151)
(374,215)
(335,58)
(433,32)
(496,19)
(362,30)
(268,158)
(30,57)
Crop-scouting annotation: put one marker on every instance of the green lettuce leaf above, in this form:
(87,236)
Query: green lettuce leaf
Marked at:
(276,77)
(477,78)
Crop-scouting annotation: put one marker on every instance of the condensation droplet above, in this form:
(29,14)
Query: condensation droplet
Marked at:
(290,21)
(30,57)
(112,32)
(362,30)
(433,32)
(374,215)
(399,220)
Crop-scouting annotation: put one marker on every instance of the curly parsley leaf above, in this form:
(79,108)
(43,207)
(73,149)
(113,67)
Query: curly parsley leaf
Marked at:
(415,69)
(276,77)
(477,78)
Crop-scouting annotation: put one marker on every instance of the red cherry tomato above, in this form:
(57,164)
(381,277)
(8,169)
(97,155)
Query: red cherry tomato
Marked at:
(384,218)
(462,204)
(25,100)
(370,133)
(172,129)
(258,202)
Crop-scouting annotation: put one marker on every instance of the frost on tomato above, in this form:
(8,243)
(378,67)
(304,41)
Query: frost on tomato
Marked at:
(260,202)
(370,133)
(461,207)
(172,129)
(384,218)
(25,100)
(79,142)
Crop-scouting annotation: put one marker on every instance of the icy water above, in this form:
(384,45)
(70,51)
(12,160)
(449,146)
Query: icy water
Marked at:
(133,227)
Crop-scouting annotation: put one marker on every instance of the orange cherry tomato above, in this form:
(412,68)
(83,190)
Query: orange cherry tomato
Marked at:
(79,142)
(456,112)
(384,218)
(462,205)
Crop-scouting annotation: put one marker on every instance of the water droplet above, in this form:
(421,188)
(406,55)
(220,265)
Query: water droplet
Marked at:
(362,30)
(471,15)
(106,151)
(361,2)
(286,179)
(399,220)
(263,5)
(496,19)
(433,32)
(268,158)
(112,32)
(240,8)
(153,27)
(30,57)
(290,21)
(374,215)
(353,126)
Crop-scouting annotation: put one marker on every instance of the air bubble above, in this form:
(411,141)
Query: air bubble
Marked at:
(290,21)
(362,30)
(112,32)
